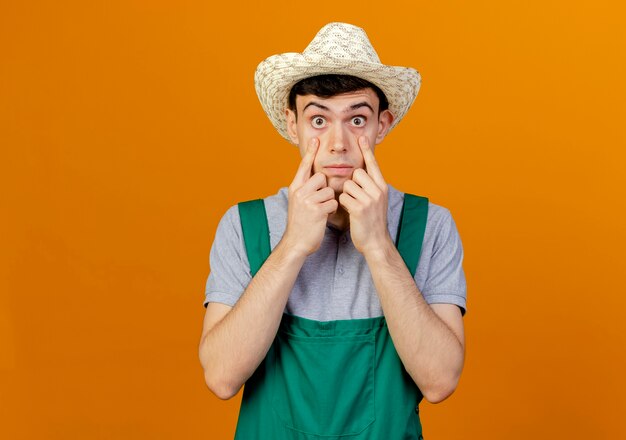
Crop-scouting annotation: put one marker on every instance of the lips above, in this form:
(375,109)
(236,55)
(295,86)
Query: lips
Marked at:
(340,165)
(341,169)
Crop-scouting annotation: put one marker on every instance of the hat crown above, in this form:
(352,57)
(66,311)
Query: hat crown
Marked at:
(342,41)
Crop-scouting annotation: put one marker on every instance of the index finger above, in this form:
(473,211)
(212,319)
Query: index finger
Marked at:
(371,166)
(306,165)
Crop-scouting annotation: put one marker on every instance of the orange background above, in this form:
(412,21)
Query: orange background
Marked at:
(128,128)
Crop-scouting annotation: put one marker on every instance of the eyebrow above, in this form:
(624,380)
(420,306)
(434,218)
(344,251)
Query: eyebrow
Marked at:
(349,109)
(359,105)
(316,104)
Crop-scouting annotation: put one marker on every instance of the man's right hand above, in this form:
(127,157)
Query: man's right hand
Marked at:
(236,340)
(310,203)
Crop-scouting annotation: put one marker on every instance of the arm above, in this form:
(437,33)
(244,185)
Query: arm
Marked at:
(429,339)
(235,340)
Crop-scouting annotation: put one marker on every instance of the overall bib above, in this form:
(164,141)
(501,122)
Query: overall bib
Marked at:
(331,380)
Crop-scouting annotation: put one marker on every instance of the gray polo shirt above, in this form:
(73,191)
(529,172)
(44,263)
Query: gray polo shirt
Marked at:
(335,282)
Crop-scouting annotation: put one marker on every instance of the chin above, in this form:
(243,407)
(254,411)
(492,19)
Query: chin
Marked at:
(336,183)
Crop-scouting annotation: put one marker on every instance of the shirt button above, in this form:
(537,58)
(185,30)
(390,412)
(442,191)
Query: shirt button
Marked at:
(344,239)
(340,271)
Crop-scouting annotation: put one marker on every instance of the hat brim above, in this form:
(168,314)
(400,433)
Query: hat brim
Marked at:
(276,75)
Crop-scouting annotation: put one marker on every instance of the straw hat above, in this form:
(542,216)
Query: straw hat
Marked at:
(338,48)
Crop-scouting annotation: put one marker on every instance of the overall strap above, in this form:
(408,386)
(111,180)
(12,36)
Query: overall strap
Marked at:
(256,232)
(411,230)
(409,239)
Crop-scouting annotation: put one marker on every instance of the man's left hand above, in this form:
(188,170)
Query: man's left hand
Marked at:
(365,199)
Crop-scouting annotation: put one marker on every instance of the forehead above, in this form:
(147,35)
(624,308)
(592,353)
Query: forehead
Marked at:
(341,102)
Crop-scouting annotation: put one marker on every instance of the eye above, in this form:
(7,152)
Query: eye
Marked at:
(358,121)
(318,122)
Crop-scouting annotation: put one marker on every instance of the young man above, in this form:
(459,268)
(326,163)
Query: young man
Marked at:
(338,301)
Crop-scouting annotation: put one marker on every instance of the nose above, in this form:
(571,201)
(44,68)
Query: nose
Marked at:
(338,140)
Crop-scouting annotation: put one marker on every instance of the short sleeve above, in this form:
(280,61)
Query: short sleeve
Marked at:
(446,279)
(230,270)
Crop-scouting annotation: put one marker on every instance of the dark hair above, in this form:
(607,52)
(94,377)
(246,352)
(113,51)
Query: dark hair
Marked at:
(326,86)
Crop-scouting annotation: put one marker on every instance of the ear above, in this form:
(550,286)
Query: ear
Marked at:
(291,126)
(384,122)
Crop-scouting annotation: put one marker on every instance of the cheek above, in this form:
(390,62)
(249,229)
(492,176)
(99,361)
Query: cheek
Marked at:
(305,135)
(305,129)
(317,167)
(371,131)
(360,163)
